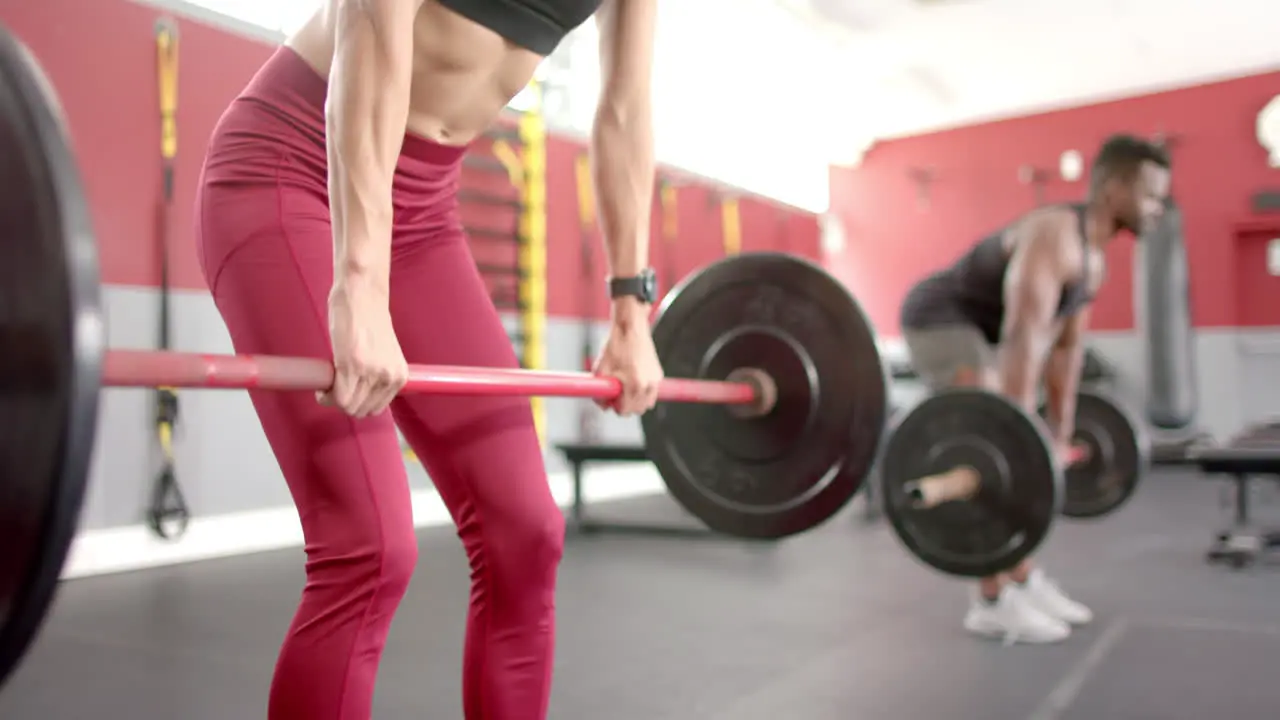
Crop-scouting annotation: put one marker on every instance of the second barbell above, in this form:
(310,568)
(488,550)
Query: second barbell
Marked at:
(972,484)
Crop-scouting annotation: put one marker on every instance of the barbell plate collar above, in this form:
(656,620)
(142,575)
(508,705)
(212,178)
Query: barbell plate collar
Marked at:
(961,483)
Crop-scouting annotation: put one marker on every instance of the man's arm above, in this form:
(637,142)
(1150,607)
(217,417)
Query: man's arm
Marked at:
(622,140)
(1062,376)
(365,117)
(1032,288)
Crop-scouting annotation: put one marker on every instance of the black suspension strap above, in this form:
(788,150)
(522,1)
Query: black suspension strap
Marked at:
(168,514)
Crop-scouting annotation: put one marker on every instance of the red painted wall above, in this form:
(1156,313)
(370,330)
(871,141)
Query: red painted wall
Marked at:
(1256,289)
(100,55)
(893,241)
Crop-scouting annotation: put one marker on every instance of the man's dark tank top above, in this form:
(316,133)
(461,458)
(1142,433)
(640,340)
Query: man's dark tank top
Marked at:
(971,291)
(536,25)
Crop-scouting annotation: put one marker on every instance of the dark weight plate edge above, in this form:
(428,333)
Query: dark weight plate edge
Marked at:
(843,477)
(62,514)
(868,472)
(896,520)
(678,290)
(881,411)
(1142,437)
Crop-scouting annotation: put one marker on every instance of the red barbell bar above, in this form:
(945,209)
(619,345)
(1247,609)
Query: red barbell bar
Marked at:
(147,368)
(1076,454)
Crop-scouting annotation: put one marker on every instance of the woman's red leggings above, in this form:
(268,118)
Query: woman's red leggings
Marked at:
(265,243)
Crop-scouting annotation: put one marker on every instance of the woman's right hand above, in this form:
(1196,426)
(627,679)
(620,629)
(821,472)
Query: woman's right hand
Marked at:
(369,367)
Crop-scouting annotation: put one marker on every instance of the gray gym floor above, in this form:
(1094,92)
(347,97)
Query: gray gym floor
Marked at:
(837,624)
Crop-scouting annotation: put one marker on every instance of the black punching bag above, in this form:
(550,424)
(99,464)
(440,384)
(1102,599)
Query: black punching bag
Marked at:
(1163,302)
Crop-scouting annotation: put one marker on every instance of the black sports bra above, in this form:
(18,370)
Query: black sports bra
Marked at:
(536,25)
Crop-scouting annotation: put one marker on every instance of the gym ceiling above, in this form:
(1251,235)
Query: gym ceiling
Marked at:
(930,64)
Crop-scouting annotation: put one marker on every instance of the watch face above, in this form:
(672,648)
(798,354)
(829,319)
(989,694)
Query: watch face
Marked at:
(650,282)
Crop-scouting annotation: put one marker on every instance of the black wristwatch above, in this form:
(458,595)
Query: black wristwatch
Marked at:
(643,286)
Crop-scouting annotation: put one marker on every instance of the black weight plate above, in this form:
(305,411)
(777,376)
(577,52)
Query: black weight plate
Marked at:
(788,471)
(51,343)
(1021,490)
(1119,455)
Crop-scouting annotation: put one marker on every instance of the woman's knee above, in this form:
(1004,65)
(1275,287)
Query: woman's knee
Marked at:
(538,539)
(491,473)
(397,558)
(376,553)
(527,548)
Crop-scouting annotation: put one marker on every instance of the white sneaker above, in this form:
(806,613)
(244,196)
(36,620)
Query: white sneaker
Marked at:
(1013,619)
(1045,596)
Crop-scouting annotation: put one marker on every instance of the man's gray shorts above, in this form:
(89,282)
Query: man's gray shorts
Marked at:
(940,354)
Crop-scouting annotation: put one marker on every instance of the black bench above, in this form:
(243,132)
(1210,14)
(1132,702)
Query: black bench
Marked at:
(1251,454)
(578,456)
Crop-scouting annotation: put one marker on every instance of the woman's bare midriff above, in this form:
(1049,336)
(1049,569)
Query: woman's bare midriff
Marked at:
(463,74)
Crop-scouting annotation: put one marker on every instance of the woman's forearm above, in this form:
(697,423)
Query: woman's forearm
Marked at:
(623,170)
(365,117)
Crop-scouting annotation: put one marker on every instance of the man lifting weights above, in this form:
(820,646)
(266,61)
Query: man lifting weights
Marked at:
(1015,308)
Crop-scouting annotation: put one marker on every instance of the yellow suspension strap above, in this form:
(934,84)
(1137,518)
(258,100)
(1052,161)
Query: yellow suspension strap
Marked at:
(511,161)
(168,515)
(669,216)
(532,288)
(506,159)
(586,229)
(591,286)
(730,225)
(670,206)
